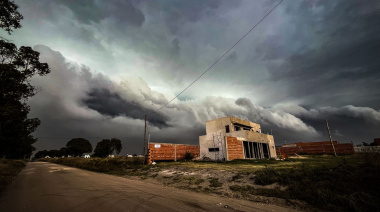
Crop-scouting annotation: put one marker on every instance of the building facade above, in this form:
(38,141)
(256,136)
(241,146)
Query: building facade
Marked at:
(231,138)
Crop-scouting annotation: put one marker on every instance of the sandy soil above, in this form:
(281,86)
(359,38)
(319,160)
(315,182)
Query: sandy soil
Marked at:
(200,180)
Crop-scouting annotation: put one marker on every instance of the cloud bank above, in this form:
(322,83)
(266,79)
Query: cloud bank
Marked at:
(75,101)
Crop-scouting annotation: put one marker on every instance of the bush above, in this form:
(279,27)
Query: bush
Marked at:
(188,156)
(214,182)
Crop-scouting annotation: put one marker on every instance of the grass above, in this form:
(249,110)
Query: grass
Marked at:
(8,170)
(187,180)
(114,166)
(237,177)
(214,182)
(247,189)
(348,183)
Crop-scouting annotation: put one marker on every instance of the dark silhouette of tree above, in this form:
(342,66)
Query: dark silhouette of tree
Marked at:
(54,153)
(107,147)
(78,146)
(9,16)
(41,154)
(64,151)
(17,66)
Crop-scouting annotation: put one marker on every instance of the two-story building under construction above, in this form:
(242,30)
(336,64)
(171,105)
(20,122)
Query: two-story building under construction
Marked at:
(231,138)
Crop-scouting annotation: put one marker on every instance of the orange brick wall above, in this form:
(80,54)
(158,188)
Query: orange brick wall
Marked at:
(234,149)
(171,151)
(317,149)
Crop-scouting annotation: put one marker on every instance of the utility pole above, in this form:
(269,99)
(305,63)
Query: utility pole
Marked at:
(144,137)
(328,130)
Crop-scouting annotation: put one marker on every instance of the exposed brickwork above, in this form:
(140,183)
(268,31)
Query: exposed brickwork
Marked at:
(317,149)
(234,148)
(171,151)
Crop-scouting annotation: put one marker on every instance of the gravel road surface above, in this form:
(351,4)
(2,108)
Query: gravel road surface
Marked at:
(50,187)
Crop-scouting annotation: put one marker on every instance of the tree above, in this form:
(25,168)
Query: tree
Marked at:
(54,153)
(17,66)
(64,151)
(78,146)
(41,154)
(9,16)
(106,147)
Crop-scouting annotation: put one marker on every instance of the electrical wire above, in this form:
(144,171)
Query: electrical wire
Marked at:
(218,59)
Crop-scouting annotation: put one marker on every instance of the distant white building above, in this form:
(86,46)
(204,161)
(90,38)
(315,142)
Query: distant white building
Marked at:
(86,155)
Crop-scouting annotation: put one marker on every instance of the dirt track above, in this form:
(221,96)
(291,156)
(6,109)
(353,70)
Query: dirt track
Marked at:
(51,187)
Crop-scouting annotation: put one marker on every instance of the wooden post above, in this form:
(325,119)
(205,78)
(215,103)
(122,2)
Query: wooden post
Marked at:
(328,130)
(144,138)
(175,152)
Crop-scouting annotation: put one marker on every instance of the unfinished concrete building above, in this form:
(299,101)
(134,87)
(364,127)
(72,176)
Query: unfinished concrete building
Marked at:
(231,138)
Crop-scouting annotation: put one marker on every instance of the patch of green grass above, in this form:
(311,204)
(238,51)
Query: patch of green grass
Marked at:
(247,189)
(237,177)
(188,180)
(115,166)
(8,170)
(341,182)
(214,182)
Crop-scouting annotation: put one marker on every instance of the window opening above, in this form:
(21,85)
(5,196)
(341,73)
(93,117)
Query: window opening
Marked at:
(213,149)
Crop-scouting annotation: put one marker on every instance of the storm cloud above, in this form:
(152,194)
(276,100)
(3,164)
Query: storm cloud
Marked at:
(115,61)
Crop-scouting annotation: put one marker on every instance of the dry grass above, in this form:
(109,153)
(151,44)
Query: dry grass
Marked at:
(8,170)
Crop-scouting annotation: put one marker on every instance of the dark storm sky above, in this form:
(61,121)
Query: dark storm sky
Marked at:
(114,61)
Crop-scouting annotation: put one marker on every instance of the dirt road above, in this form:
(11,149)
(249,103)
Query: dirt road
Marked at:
(51,187)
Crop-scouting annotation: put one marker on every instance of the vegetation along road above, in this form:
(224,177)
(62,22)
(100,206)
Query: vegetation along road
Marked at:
(45,186)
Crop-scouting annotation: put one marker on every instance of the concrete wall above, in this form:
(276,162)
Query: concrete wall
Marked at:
(205,144)
(220,124)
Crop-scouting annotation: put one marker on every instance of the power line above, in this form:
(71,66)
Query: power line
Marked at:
(66,137)
(218,58)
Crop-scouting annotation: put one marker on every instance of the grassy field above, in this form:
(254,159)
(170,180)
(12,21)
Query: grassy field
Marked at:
(8,170)
(343,183)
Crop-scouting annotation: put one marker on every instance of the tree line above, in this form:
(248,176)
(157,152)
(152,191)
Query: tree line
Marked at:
(78,146)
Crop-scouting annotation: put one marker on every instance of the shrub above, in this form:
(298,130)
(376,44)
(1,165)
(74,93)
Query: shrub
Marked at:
(214,182)
(188,156)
